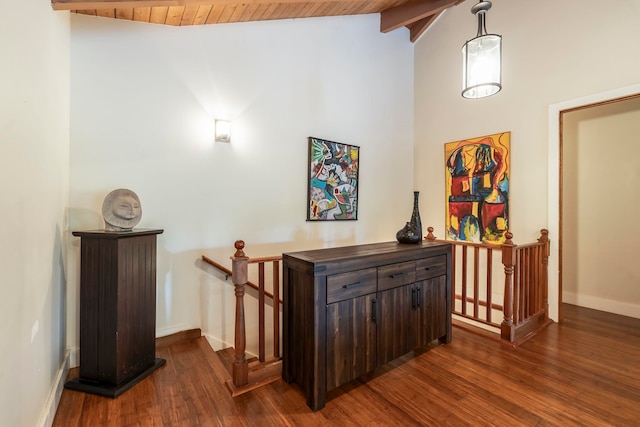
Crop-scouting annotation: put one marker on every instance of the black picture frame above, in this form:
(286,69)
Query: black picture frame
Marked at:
(333,180)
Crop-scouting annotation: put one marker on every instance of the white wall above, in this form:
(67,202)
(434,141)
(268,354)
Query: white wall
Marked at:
(34,171)
(601,175)
(552,52)
(143,102)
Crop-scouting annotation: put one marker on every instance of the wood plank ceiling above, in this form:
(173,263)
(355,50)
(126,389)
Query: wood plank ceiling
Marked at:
(416,15)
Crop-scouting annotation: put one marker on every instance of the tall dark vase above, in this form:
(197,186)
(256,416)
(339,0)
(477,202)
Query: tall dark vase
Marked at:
(412,232)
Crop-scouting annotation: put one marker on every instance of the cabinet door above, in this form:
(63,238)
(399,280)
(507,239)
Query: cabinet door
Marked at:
(351,339)
(432,308)
(396,325)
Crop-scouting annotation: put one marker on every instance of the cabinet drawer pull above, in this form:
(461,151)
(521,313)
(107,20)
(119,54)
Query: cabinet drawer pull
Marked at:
(352,285)
(395,276)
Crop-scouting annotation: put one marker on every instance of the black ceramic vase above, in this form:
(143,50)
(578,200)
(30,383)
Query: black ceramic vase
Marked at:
(412,232)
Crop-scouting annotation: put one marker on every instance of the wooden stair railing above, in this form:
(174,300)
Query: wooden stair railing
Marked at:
(525,304)
(249,374)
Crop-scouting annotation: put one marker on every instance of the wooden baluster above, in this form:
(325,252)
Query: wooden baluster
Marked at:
(464,280)
(454,250)
(517,287)
(476,282)
(276,309)
(261,331)
(489,269)
(520,283)
(535,287)
(239,276)
(507,330)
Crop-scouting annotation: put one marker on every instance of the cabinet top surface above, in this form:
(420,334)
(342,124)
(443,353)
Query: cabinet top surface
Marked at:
(107,234)
(373,250)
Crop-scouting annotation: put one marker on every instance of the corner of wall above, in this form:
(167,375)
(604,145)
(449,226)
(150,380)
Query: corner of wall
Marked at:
(51,406)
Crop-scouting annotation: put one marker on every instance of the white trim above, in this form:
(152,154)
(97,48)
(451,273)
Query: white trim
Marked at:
(51,407)
(172,330)
(602,304)
(553,201)
(74,357)
(215,343)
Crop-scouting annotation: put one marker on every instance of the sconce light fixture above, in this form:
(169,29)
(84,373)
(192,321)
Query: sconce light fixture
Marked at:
(223,130)
(482,59)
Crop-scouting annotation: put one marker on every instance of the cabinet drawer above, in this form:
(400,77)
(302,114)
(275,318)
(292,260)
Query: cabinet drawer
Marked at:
(431,267)
(394,275)
(350,285)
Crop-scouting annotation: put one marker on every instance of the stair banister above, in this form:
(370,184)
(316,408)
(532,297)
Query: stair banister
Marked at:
(239,277)
(507,331)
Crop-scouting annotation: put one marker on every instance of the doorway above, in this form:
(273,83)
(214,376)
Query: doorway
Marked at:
(569,185)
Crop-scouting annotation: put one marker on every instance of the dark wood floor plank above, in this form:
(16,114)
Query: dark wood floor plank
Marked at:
(583,372)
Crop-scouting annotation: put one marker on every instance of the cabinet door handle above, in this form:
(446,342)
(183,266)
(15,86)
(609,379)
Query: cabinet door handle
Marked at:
(418,296)
(413,297)
(395,276)
(373,310)
(352,285)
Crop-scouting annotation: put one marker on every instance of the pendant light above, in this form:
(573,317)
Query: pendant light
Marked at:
(482,59)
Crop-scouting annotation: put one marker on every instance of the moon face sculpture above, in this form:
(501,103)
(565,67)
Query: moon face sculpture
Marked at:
(121,210)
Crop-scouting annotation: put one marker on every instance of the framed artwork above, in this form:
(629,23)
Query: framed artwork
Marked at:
(477,173)
(333,181)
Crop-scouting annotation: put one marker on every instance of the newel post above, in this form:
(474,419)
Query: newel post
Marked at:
(507,329)
(239,276)
(544,238)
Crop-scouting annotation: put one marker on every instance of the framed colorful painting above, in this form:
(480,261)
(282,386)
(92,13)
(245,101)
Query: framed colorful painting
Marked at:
(477,177)
(333,181)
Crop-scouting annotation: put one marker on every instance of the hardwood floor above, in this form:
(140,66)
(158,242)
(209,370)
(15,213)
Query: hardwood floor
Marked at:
(582,372)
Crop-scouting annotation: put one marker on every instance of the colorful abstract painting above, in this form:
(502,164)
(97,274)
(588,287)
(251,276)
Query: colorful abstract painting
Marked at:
(333,181)
(477,177)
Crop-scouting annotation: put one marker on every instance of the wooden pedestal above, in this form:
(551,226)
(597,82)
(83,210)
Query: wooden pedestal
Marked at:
(117,310)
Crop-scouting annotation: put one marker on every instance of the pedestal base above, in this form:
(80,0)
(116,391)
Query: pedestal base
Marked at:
(108,390)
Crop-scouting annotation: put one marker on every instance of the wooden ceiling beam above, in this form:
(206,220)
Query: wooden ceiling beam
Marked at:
(122,4)
(417,28)
(411,12)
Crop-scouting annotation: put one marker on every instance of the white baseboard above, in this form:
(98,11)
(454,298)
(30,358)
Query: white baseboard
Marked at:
(216,344)
(74,357)
(172,330)
(51,407)
(602,304)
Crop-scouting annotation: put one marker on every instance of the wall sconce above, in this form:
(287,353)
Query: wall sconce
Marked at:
(482,59)
(223,130)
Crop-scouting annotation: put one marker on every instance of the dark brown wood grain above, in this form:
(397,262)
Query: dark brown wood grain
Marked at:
(351,339)
(117,310)
(332,295)
(581,372)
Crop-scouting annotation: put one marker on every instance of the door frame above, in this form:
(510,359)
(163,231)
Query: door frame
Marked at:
(554,193)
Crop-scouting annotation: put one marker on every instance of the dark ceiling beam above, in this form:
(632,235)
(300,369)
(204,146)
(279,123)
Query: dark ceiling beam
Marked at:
(417,28)
(411,12)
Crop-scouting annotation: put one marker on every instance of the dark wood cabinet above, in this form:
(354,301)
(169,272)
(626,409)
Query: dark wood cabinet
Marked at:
(351,339)
(117,310)
(348,310)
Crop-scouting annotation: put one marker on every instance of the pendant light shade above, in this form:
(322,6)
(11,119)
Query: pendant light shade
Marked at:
(482,59)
